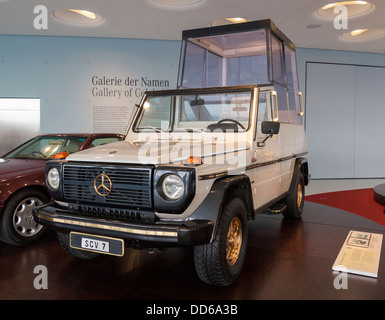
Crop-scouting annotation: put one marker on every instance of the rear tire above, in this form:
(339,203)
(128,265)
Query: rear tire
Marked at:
(220,262)
(295,200)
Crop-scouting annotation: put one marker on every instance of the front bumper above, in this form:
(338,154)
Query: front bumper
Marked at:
(156,234)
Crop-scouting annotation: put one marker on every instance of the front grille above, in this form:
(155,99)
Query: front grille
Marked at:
(112,213)
(130,186)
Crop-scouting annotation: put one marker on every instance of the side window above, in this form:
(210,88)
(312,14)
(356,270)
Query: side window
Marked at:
(279,76)
(264,111)
(102,141)
(283,111)
(264,107)
(292,83)
(277,60)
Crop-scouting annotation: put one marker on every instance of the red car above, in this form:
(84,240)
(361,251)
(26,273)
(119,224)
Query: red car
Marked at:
(22,180)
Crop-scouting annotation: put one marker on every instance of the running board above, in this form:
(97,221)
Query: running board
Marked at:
(276,208)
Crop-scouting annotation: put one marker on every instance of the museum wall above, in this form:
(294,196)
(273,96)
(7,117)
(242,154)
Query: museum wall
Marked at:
(345,110)
(92,84)
(305,55)
(85,84)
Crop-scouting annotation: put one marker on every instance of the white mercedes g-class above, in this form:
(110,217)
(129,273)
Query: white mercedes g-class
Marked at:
(198,162)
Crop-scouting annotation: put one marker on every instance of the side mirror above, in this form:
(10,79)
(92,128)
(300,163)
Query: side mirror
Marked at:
(270,127)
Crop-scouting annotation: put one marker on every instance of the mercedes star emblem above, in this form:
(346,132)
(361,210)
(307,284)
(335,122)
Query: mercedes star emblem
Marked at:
(103,185)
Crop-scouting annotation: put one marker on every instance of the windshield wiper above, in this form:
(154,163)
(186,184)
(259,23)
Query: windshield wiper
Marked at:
(193,129)
(153,128)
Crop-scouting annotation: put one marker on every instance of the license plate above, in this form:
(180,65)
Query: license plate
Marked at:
(96,243)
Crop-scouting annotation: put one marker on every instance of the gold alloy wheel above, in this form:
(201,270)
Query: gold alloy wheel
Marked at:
(234,241)
(299,194)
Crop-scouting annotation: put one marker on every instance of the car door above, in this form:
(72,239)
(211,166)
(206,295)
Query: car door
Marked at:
(267,152)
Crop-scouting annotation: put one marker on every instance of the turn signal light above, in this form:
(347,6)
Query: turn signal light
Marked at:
(193,161)
(60,155)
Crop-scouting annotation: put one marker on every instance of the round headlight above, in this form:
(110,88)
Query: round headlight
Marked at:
(173,187)
(53,178)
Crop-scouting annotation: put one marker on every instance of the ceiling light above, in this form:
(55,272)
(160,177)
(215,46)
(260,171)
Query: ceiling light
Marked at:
(221,22)
(85,13)
(236,20)
(343,3)
(355,8)
(78,16)
(177,2)
(363,34)
(358,32)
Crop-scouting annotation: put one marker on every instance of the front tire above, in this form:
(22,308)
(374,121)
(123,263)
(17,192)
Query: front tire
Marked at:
(220,262)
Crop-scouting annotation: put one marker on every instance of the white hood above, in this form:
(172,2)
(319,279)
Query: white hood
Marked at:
(156,152)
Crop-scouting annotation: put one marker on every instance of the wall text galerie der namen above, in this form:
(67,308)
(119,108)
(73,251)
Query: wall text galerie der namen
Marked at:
(113,98)
(128,87)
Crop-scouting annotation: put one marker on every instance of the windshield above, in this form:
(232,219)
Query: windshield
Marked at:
(46,147)
(196,112)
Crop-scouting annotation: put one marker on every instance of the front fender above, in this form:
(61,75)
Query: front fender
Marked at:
(10,186)
(222,190)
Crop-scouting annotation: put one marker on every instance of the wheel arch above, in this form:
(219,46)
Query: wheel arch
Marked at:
(301,166)
(222,190)
(28,187)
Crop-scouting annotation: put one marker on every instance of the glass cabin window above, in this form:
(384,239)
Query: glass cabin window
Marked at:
(226,60)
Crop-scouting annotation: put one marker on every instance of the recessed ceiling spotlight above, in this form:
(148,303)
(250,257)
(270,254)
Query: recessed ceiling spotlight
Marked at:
(78,16)
(236,20)
(357,32)
(225,21)
(177,2)
(355,8)
(85,13)
(343,3)
(363,34)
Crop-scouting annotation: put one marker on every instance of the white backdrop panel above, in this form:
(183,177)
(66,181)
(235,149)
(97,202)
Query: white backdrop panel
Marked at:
(345,113)
(370,123)
(330,114)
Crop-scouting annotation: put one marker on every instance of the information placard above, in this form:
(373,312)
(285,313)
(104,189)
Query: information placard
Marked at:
(360,254)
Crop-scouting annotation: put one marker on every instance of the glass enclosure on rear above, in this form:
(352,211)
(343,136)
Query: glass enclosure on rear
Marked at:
(251,54)
(226,60)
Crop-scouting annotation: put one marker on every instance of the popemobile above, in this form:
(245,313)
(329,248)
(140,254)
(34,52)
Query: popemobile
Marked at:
(198,163)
